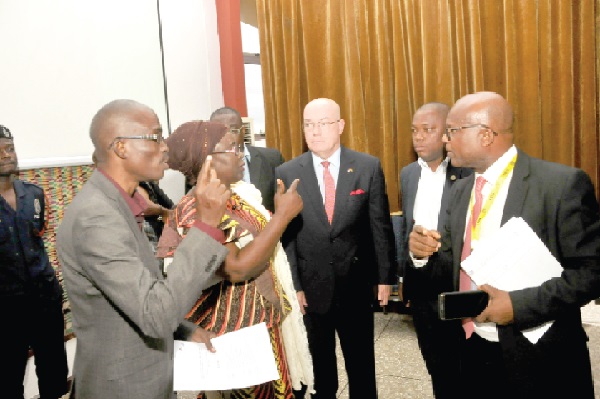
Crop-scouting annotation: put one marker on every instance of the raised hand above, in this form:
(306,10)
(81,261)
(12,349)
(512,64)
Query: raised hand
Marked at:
(288,203)
(211,195)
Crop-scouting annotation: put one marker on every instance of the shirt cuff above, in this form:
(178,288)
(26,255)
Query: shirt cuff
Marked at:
(215,233)
(418,262)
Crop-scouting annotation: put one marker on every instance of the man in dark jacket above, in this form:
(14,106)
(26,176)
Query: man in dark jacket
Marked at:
(425,186)
(339,247)
(558,203)
(259,162)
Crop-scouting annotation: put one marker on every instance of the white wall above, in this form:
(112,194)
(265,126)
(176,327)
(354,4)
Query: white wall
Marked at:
(193,69)
(61,60)
(192,59)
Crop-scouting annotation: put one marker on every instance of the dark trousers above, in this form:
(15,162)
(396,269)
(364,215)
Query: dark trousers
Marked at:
(439,342)
(38,323)
(354,324)
(483,370)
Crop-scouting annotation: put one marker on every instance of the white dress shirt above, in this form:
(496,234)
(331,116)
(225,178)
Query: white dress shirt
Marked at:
(334,169)
(247,159)
(428,199)
(492,221)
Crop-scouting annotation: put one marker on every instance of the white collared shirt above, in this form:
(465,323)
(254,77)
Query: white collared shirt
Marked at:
(334,169)
(428,199)
(247,159)
(492,220)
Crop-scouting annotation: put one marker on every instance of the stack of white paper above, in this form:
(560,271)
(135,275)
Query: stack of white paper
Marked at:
(243,358)
(513,258)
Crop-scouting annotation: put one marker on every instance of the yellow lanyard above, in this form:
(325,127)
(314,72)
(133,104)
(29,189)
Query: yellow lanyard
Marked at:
(476,227)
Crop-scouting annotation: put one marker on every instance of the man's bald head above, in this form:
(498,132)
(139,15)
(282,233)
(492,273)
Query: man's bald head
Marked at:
(487,108)
(112,120)
(128,143)
(484,123)
(325,103)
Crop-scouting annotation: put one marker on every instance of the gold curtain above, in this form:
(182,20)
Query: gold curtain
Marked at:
(382,59)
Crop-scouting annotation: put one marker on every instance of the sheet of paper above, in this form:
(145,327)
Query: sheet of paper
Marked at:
(243,358)
(513,258)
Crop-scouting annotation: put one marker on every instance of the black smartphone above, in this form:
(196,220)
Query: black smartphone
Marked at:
(461,304)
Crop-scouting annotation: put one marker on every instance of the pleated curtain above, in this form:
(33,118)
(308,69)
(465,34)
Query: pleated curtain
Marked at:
(382,59)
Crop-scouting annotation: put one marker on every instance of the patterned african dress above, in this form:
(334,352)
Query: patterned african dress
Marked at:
(227,306)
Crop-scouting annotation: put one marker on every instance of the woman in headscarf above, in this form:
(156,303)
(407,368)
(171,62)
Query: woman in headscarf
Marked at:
(252,236)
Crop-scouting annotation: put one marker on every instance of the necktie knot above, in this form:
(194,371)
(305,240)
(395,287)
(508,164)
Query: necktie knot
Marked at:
(325,164)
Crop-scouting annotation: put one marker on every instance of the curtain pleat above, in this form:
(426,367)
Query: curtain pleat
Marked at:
(383,59)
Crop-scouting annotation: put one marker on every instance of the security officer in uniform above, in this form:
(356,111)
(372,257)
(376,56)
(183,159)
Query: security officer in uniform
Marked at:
(30,293)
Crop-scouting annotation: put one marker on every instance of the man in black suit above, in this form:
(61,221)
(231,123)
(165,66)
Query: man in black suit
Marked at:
(339,247)
(559,204)
(425,186)
(260,162)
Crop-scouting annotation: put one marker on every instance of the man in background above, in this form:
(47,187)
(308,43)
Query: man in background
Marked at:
(124,310)
(559,205)
(260,163)
(425,186)
(30,294)
(340,247)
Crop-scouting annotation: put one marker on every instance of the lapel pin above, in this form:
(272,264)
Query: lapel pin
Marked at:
(350,170)
(452,177)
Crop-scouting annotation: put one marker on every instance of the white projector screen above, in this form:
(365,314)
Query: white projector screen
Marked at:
(61,60)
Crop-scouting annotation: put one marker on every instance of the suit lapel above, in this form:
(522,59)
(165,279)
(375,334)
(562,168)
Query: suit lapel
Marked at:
(452,175)
(517,191)
(255,164)
(311,193)
(458,220)
(411,191)
(347,176)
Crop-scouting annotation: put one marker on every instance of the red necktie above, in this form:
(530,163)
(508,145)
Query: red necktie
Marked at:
(465,282)
(329,191)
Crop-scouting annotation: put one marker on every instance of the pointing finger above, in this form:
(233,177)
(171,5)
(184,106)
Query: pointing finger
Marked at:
(205,174)
(213,174)
(280,187)
(294,185)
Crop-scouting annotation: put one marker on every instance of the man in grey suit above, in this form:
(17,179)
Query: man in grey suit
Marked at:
(339,247)
(559,204)
(259,162)
(425,186)
(124,311)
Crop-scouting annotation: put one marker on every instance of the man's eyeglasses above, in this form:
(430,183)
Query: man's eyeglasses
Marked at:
(235,148)
(425,130)
(234,130)
(450,131)
(310,126)
(157,138)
